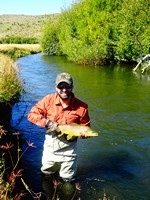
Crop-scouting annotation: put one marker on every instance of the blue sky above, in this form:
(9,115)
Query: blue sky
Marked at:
(33,7)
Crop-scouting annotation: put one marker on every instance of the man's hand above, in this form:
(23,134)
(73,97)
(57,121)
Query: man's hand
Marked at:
(52,127)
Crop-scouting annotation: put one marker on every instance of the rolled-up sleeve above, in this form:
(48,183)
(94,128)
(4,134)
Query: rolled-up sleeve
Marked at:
(37,114)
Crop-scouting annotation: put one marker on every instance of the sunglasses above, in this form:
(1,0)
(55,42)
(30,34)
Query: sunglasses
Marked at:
(62,86)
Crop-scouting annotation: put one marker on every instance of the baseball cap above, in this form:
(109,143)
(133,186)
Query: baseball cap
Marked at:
(64,77)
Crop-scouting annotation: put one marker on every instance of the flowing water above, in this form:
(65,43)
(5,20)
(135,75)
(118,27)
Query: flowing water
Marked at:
(118,161)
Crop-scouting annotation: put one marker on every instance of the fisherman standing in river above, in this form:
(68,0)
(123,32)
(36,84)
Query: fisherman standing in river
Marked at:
(61,107)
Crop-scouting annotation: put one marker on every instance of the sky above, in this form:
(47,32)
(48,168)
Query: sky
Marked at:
(33,7)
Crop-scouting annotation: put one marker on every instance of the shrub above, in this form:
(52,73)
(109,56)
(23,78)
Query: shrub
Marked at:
(95,32)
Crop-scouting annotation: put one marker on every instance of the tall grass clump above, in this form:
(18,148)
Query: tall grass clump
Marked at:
(100,32)
(10,86)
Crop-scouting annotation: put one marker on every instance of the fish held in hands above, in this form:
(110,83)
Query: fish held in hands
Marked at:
(75,130)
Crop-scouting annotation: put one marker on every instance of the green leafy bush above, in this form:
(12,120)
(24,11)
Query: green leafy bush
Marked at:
(100,31)
(50,39)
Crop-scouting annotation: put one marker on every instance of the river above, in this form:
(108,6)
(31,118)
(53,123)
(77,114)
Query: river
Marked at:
(118,161)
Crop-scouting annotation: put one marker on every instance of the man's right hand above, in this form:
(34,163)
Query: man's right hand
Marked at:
(52,127)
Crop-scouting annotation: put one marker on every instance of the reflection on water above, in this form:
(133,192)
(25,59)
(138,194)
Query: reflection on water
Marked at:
(118,161)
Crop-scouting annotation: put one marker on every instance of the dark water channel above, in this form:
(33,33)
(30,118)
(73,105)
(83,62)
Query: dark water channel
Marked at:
(118,161)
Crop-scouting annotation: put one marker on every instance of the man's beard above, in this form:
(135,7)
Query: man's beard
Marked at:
(68,96)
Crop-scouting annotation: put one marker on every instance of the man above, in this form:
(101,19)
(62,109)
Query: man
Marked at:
(61,107)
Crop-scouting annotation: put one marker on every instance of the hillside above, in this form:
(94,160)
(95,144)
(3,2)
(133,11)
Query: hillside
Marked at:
(23,25)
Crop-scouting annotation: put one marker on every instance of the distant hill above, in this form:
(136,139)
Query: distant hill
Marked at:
(23,25)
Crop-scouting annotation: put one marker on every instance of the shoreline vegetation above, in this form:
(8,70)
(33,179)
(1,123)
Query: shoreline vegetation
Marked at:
(19,50)
(10,91)
(100,32)
(10,86)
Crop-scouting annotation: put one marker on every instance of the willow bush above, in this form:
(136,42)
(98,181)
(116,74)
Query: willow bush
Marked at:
(134,28)
(100,31)
(50,39)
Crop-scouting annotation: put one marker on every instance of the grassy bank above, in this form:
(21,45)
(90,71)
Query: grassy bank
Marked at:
(18,50)
(10,91)
(10,86)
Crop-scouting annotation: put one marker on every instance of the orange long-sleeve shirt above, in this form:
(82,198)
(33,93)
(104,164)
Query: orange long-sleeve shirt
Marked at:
(50,107)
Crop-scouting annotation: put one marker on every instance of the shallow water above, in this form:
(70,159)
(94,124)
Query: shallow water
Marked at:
(118,161)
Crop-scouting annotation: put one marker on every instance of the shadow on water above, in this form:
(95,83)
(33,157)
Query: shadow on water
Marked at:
(117,162)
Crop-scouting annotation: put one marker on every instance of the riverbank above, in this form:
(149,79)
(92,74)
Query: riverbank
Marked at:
(10,86)
(19,50)
(10,91)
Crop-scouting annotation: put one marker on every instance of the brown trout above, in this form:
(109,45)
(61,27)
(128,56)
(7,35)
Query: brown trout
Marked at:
(75,130)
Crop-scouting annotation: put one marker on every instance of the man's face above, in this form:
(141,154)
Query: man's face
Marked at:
(64,90)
